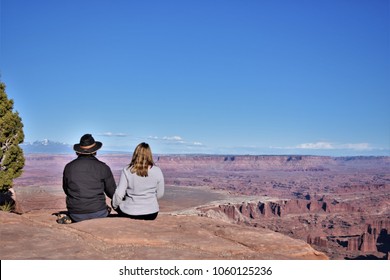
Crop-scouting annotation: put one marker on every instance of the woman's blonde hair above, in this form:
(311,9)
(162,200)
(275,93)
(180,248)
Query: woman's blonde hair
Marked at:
(141,160)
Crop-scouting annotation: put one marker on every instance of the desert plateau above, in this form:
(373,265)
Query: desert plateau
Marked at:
(215,207)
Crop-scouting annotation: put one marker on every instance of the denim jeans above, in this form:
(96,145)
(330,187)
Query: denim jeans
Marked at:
(81,217)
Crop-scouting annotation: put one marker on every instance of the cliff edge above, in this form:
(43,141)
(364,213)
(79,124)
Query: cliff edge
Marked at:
(36,235)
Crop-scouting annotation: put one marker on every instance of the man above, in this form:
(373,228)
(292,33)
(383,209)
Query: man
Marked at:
(86,182)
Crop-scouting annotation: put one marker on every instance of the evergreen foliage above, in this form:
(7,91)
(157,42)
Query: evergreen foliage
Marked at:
(11,135)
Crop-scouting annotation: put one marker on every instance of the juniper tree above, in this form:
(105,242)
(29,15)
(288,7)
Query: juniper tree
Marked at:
(11,135)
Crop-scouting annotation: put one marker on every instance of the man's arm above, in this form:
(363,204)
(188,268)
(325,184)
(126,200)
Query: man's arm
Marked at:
(109,184)
(65,182)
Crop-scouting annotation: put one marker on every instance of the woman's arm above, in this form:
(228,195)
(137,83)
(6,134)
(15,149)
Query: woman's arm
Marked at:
(120,191)
(160,185)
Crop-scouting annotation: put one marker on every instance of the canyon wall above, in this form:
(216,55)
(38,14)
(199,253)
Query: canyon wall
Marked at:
(339,205)
(313,221)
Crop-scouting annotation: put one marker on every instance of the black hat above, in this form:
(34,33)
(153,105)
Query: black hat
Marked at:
(87,145)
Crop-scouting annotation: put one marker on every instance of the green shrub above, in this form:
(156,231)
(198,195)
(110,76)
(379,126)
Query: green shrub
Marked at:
(11,135)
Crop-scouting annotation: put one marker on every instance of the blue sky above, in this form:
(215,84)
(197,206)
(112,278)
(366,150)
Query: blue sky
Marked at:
(224,77)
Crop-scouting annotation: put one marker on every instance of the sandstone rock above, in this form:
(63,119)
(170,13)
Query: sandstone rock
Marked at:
(354,243)
(272,208)
(368,243)
(36,235)
(335,199)
(318,241)
(266,212)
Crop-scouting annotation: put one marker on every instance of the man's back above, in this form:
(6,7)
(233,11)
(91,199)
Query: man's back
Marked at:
(86,180)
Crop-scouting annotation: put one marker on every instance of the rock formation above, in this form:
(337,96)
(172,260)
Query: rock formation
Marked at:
(273,214)
(338,205)
(376,238)
(35,235)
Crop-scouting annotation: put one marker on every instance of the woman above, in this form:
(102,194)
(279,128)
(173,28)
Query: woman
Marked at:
(141,184)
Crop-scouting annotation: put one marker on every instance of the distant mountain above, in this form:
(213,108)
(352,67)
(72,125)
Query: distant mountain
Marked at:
(46,147)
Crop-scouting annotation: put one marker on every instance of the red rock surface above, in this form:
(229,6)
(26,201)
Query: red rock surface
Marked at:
(341,206)
(36,235)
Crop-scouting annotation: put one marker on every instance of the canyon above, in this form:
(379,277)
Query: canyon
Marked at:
(340,206)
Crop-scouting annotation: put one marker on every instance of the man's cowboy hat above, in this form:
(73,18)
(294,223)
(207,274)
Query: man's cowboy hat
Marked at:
(87,145)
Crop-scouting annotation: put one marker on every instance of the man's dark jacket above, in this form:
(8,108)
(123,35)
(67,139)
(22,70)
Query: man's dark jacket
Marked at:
(85,181)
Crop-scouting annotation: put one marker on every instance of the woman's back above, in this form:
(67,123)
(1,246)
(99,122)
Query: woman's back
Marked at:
(141,193)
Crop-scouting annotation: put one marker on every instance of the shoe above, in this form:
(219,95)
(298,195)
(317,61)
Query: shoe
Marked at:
(64,219)
(109,210)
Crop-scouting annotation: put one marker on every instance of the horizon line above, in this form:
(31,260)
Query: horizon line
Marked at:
(215,154)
